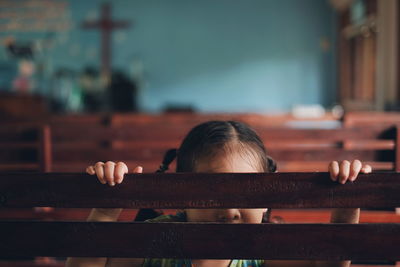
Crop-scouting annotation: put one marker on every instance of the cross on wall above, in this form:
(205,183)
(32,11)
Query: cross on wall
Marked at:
(106,25)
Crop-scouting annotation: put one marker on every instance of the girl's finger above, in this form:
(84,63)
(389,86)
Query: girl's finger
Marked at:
(344,171)
(138,169)
(99,169)
(355,169)
(119,171)
(109,172)
(90,170)
(366,169)
(334,170)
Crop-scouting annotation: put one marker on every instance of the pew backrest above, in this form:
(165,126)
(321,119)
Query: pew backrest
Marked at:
(25,147)
(294,149)
(201,240)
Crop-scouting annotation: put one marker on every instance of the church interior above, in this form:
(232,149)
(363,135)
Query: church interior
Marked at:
(93,81)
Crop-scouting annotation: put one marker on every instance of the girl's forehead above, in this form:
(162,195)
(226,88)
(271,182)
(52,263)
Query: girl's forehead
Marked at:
(224,162)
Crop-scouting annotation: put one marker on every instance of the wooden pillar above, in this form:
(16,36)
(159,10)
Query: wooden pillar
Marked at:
(387,54)
(45,152)
(397,159)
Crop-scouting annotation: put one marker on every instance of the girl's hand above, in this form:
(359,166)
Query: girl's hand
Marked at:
(111,172)
(347,171)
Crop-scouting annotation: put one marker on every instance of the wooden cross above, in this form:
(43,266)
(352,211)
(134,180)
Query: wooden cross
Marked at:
(106,25)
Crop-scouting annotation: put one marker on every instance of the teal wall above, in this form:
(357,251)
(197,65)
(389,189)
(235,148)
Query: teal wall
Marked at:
(217,55)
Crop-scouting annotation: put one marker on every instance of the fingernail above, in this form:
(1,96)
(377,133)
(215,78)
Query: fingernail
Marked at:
(112,183)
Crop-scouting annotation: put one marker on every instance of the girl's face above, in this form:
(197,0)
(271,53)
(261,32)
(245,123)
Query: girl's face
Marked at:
(233,163)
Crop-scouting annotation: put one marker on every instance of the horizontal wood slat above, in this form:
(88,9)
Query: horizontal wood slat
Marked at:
(201,240)
(177,132)
(283,166)
(200,190)
(6,167)
(95,154)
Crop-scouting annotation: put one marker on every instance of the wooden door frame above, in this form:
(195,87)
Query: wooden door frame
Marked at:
(387,81)
(387,85)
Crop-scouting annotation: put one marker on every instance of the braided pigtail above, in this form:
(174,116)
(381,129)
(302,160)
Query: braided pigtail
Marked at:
(146,214)
(169,156)
(272,166)
(266,216)
(268,219)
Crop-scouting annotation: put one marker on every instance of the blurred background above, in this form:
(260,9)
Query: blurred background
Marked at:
(125,80)
(263,56)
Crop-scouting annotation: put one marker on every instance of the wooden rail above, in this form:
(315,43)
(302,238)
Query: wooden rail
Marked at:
(200,190)
(293,149)
(25,147)
(200,240)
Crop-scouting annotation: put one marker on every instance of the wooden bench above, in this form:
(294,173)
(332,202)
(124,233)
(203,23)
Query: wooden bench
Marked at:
(264,120)
(68,131)
(294,149)
(81,140)
(91,139)
(365,118)
(255,119)
(25,147)
(142,139)
(350,119)
(362,242)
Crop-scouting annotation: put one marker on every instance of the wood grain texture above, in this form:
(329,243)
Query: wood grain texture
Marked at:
(201,240)
(200,190)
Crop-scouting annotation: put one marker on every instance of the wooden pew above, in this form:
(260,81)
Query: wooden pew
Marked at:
(255,119)
(312,149)
(106,138)
(293,149)
(25,147)
(367,118)
(350,119)
(72,137)
(264,120)
(83,214)
(64,127)
(278,190)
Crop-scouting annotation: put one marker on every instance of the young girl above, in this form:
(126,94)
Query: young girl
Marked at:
(216,147)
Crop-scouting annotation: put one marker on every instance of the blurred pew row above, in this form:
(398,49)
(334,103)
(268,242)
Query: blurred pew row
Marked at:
(70,143)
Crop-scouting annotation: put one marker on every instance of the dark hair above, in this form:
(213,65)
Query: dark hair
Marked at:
(213,137)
